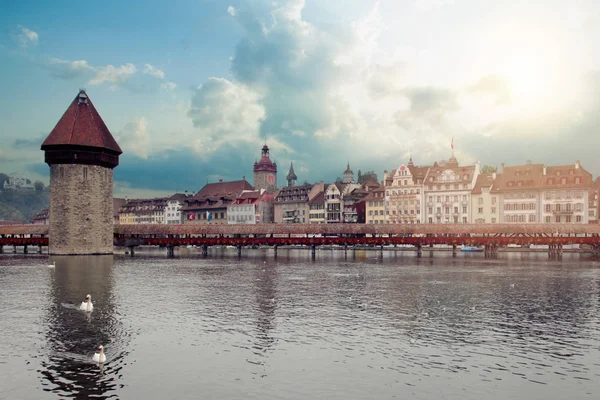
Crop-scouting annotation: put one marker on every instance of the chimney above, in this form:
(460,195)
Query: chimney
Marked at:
(493,175)
(385,173)
(502,167)
(577,164)
(544,171)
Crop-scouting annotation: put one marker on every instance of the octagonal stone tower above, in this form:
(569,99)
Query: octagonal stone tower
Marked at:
(81,154)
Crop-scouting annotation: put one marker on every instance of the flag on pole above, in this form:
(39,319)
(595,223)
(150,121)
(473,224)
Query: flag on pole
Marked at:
(452,143)
(208,216)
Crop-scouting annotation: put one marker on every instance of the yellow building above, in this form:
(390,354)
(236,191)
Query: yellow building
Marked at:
(375,206)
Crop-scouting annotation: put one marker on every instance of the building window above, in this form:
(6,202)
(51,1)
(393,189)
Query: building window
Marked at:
(579,218)
(480,210)
(85,173)
(531,218)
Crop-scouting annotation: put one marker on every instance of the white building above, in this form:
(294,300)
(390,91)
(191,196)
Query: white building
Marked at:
(18,183)
(333,202)
(448,189)
(565,192)
(251,207)
(404,194)
(173,208)
(485,203)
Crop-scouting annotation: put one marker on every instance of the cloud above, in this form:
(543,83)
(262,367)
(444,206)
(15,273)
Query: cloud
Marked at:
(428,5)
(133,138)
(31,143)
(223,112)
(27,37)
(493,86)
(123,76)
(113,75)
(153,71)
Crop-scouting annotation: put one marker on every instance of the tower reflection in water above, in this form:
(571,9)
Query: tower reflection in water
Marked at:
(73,335)
(266,305)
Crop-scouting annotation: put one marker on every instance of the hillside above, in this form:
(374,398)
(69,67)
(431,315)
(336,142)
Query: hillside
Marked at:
(19,205)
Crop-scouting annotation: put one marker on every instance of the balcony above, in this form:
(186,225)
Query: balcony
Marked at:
(562,212)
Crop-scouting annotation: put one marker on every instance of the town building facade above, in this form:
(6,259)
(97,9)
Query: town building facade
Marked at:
(209,205)
(404,195)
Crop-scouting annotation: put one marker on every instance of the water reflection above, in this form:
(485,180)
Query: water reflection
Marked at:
(266,305)
(73,335)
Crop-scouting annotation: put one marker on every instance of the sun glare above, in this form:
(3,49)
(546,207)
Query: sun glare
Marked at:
(528,77)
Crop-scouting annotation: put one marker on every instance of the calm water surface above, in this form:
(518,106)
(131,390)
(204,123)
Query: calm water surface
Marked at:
(365,327)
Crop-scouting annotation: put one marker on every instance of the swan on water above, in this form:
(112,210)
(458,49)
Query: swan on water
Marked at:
(87,304)
(100,356)
(52,265)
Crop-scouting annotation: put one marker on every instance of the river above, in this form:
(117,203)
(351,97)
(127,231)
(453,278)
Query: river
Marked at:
(367,326)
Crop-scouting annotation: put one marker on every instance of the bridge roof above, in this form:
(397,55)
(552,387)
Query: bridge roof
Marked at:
(26,229)
(332,229)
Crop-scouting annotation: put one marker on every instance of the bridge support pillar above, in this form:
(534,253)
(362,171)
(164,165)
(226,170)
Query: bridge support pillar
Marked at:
(39,250)
(313,250)
(239,249)
(1,249)
(453,250)
(131,250)
(419,251)
(275,251)
(170,251)
(204,250)
(14,248)
(24,249)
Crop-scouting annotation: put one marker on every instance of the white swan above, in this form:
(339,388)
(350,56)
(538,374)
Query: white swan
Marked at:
(87,305)
(99,357)
(52,265)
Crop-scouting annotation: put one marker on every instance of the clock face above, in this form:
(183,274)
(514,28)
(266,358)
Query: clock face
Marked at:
(270,178)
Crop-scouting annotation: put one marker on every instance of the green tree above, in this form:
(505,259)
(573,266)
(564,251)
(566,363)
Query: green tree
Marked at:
(39,186)
(338,179)
(488,170)
(368,176)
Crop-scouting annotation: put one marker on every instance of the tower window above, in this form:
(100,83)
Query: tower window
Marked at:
(61,172)
(85,173)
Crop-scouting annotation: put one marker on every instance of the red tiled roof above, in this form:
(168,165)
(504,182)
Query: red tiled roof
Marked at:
(555,174)
(482,181)
(219,189)
(464,173)
(519,177)
(81,125)
(318,199)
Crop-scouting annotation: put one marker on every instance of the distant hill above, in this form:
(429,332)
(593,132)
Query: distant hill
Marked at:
(19,205)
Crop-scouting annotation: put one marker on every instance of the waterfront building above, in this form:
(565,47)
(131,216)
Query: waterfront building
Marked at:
(82,154)
(291,203)
(518,188)
(316,206)
(485,201)
(564,194)
(404,194)
(333,202)
(251,207)
(291,176)
(209,205)
(143,211)
(375,206)
(173,208)
(351,204)
(265,172)
(117,204)
(447,189)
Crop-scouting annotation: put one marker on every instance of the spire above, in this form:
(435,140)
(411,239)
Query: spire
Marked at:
(291,176)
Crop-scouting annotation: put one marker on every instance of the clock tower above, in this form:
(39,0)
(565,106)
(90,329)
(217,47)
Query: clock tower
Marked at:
(265,172)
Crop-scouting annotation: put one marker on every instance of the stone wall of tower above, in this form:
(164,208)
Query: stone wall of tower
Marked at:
(261,181)
(81,209)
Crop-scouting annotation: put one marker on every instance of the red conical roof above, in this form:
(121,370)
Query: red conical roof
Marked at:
(81,125)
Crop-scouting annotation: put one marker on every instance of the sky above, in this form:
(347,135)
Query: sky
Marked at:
(191,90)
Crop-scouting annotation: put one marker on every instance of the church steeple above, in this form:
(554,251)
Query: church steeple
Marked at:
(291,176)
(348,175)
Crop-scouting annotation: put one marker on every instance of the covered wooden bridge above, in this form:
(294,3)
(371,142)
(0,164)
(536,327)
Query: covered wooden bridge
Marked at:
(489,236)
